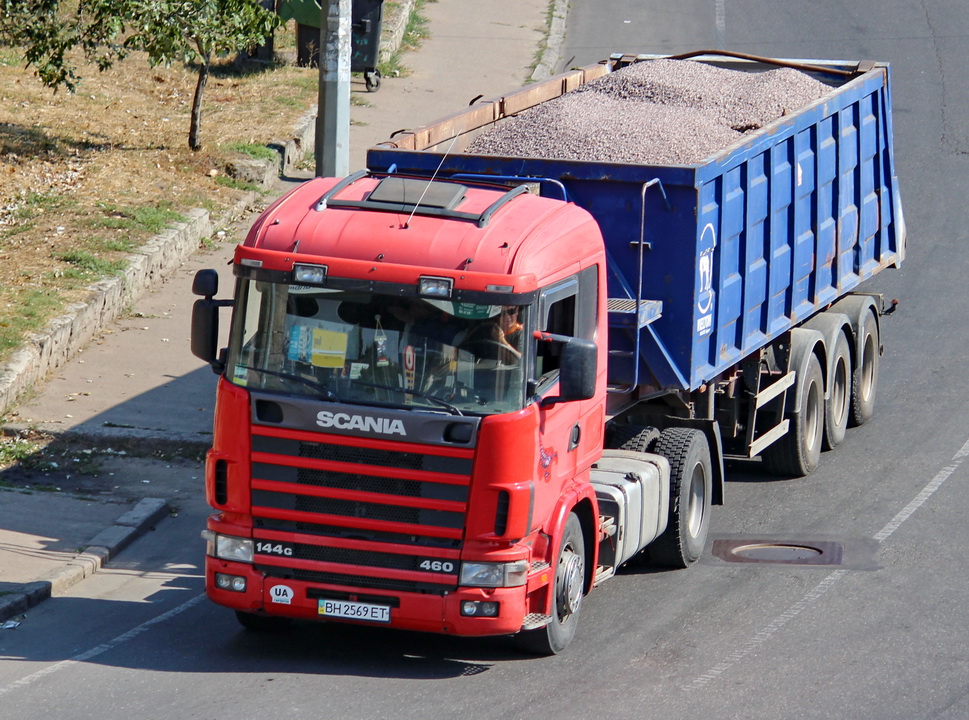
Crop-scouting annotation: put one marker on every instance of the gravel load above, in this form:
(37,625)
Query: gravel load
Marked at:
(656,112)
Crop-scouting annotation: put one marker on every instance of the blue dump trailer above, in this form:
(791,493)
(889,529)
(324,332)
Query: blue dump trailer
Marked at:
(462,389)
(725,276)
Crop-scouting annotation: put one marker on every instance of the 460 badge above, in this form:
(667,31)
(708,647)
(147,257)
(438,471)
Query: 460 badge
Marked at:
(438,566)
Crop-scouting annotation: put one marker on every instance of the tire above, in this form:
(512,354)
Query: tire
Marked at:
(640,438)
(567,603)
(864,379)
(691,489)
(837,407)
(262,623)
(799,452)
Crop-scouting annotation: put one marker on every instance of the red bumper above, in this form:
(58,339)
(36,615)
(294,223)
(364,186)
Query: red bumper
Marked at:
(408,611)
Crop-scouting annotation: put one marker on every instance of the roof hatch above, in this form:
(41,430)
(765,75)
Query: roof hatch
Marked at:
(416,196)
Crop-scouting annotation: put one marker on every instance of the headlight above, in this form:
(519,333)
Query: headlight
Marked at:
(482,574)
(228,547)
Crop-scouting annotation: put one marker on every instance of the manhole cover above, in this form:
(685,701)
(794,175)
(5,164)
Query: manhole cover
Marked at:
(789,553)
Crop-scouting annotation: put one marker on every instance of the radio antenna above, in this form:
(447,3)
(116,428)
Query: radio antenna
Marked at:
(428,186)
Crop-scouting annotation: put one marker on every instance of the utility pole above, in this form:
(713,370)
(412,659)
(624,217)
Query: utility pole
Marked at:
(333,117)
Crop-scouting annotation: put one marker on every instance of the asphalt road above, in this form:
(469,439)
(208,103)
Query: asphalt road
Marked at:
(883,635)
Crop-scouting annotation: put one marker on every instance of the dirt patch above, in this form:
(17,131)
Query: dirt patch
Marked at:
(113,472)
(87,178)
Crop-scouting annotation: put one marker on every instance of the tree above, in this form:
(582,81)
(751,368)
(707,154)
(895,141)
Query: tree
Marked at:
(193,31)
(168,31)
(48,33)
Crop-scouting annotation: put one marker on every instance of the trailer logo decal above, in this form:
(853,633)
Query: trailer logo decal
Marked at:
(704,290)
(366,423)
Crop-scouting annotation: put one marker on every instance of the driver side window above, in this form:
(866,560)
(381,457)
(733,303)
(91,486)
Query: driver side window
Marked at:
(567,308)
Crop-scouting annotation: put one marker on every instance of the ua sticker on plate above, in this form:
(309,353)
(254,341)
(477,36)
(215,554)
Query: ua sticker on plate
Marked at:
(281,594)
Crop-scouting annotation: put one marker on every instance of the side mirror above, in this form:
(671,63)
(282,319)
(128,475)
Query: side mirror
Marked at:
(205,319)
(577,370)
(206,283)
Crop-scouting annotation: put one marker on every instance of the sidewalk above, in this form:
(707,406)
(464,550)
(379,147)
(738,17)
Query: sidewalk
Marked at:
(137,383)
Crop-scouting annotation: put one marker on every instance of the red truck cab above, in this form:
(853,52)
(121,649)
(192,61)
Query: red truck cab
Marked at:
(408,410)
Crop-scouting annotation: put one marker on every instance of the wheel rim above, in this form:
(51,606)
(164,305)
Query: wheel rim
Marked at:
(571,575)
(812,428)
(697,501)
(867,369)
(839,390)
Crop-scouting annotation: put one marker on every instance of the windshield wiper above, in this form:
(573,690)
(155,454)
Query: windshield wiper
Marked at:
(453,409)
(326,393)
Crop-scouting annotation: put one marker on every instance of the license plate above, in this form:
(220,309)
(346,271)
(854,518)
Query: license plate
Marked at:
(352,610)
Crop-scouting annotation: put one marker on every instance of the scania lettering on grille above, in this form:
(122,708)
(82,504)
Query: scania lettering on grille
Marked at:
(365,423)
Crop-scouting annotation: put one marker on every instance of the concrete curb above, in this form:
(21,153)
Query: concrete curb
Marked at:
(101,548)
(553,44)
(44,353)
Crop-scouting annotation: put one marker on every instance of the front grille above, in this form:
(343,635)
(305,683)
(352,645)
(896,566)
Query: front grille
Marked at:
(334,531)
(330,494)
(347,556)
(353,581)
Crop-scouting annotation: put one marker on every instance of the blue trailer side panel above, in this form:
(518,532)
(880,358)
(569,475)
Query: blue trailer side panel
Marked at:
(741,247)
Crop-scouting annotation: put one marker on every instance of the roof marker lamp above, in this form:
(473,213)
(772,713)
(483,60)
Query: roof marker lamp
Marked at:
(435,287)
(309,274)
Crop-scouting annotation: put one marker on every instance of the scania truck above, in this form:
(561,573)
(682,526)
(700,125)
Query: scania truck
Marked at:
(460,391)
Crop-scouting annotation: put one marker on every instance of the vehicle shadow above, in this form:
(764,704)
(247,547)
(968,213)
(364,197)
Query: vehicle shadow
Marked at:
(181,631)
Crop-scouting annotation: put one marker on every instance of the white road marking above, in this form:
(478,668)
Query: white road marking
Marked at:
(821,588)
(721,24)
(95,651)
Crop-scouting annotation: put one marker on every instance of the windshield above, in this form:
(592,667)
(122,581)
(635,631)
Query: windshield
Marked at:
(361,347)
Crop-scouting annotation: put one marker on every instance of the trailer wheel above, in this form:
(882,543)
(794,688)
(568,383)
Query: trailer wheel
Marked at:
(864,380)
(837,408)
(798,453)
(262,623)
(567,602)
(639,438)
(691,488)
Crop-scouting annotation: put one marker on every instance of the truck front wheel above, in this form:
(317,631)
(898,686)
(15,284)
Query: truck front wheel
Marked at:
(691,487)
(567,602)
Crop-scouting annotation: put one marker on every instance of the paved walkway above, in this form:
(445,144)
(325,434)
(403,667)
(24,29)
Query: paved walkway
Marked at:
(139,383)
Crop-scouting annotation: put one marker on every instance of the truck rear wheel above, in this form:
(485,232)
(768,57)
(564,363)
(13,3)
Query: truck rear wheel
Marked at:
(837,407)
(567,601)
(799,451)
(691,488)
(864,380)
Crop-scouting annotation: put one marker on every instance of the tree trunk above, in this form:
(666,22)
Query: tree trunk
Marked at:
(195,131)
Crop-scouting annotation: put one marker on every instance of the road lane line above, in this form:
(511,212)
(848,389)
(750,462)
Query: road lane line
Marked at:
(104,647)
(821,588)
(721,24)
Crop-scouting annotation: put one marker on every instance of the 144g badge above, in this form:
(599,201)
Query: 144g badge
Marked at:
(267,547)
